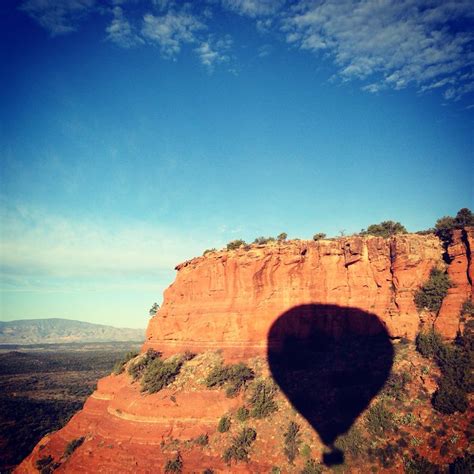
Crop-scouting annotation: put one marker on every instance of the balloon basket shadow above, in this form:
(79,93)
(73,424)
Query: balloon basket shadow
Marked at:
(333,458)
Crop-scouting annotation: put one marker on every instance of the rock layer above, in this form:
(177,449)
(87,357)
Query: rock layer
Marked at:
(228,300)
(460,271)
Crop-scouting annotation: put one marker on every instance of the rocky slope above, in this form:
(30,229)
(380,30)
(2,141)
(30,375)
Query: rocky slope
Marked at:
(222,306)
(57,331)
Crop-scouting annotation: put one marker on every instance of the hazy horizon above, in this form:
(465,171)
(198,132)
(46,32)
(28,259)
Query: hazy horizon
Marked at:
(134,135)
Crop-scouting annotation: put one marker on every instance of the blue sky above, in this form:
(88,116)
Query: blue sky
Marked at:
(135,134)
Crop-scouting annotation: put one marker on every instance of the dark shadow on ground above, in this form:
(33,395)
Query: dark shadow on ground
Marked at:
(330,361)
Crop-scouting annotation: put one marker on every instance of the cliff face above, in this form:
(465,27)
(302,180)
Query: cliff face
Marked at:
(461,273)
(228,301)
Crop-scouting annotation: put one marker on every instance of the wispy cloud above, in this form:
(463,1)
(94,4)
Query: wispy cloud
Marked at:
(253,8)
(390,43)
(381,44)
(264,50)
(58,16)
(212,52)
(171,30)
(120,30)
(35,243)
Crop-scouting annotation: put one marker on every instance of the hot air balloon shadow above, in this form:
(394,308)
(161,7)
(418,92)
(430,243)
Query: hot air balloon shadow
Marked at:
(330,361)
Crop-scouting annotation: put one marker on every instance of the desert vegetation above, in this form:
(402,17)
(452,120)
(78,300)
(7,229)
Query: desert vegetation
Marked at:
(430,296)
(233,377)
(261,399)
(119,366)
(292,441)
(385,229)
(455,363)
(445,225)
(41,389)
(159,373)
(240,448)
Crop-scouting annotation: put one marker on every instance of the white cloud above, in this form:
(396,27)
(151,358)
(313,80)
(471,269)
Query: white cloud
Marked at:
(264,50)
(171,30)
(121,32)
(384,44)
(253,8)
(35,243)
(213,52)
(57,16)
(392,43)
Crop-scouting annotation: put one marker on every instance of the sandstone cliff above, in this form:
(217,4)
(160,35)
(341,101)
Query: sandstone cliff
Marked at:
(227,302)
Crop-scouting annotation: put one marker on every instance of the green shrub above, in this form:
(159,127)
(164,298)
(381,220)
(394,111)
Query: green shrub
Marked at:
(385,455)
(137,369)
(431,294)
(282,237)
(242,414)
(202,440)
(385,229)
(240,447)
(159,374)
(261,399)
(445,225)
(464,218)
(263,240)
(235,244)
(154,308)
(428,343)
(395,386)
(175,464)
(420,465)
(209,251)
(73,445)
(312,467)
(444,228)
(292,441)
(379,419)
(449,398)
(455,364)
(46,464)
(467,309)
(233,376)
(306,451)
(224,424)
(319,236)
(119,366)
(351,442)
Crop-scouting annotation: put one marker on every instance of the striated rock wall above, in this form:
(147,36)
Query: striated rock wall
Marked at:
(228,300)
(461,272)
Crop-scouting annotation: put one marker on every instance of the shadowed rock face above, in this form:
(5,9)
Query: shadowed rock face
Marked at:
(330,361)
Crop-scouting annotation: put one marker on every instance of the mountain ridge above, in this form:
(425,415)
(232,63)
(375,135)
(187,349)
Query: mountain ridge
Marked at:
(63,330)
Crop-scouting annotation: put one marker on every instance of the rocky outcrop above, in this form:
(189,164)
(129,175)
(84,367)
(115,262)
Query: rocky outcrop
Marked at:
(227,301)
(460,271)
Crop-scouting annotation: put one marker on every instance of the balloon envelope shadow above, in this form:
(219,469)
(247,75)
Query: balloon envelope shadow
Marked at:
(330,361)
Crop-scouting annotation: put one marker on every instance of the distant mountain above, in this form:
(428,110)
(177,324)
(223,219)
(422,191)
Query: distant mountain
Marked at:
(56,330)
